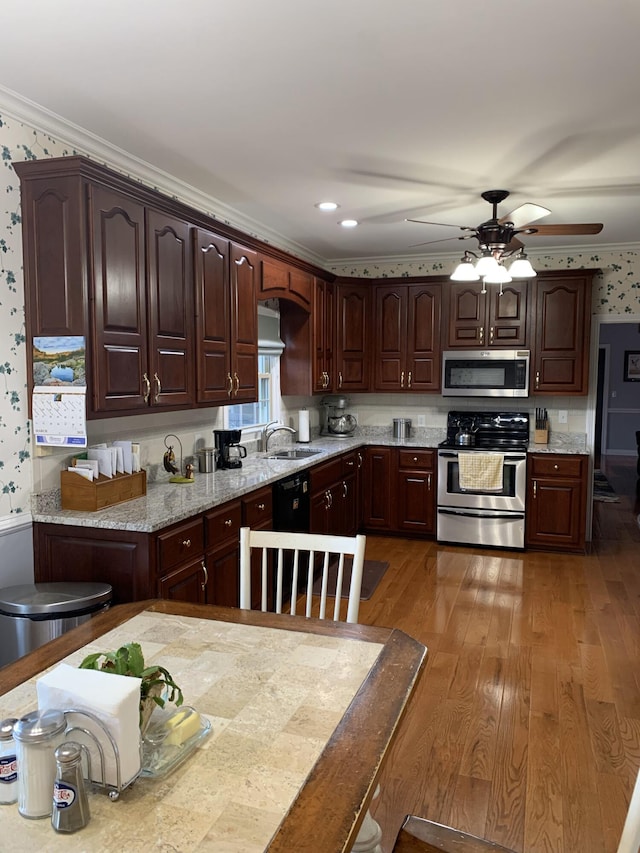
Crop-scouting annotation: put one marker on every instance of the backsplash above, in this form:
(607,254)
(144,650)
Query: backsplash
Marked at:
(617,292)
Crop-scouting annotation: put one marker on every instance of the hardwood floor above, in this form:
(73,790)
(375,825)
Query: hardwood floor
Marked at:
(525,726)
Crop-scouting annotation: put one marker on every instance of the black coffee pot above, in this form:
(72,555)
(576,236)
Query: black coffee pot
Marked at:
(230,452)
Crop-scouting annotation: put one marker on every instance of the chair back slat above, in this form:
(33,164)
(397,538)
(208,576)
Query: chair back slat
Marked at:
(288,562)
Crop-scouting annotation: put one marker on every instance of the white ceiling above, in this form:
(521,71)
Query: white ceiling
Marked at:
(393,108)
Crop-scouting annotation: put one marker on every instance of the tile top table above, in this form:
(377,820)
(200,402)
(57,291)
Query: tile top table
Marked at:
(302,713)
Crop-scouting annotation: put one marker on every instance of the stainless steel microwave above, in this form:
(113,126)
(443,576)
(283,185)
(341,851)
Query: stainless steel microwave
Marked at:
(485,373)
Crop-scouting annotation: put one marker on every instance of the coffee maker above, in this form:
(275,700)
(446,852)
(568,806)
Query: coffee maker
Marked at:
(229,452)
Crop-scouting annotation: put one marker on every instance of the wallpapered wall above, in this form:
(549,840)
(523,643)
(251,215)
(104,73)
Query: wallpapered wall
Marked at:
(617,292)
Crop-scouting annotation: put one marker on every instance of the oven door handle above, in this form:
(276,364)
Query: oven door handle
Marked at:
(507,459)
(480,514)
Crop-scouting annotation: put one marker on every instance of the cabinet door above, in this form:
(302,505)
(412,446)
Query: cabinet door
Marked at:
(376,492)
(244,323)
(555,510)
(121,379)
(561,351)
(415,501)
(390,326)
(213,317)
(422,363)
(186,583)
(352,362)
(170,306)
(467,310)
(323,335)
(223,568)
(507,315)
(320,511)
(345,507)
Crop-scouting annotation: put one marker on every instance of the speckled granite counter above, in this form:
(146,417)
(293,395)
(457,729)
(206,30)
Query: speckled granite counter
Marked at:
(166,503)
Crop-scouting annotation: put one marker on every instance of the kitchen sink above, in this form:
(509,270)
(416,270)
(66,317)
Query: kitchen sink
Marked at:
(295,453)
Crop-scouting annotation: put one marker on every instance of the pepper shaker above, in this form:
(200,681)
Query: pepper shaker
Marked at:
(70,804)
(37,735)
(8,763)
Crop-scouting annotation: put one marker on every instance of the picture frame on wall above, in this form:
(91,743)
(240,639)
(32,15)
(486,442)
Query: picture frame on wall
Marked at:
(632,365)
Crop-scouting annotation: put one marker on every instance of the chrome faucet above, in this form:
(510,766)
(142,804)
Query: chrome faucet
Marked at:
(267,432)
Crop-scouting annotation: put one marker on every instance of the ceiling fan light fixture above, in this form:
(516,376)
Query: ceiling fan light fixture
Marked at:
(465,271)
(486,264)
(521,267)
(499,275)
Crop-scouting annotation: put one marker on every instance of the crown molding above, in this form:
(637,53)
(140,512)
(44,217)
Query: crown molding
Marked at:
(66,132)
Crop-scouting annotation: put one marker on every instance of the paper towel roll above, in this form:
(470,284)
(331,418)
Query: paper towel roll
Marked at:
(303,425)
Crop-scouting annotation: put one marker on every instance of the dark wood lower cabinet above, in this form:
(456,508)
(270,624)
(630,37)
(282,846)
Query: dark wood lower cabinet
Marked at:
(186,583)
(376,488)
(415,491)
(556,502)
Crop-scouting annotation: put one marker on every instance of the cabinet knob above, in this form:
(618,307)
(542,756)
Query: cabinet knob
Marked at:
(261,507)
(228,522)
(555,467)
(415,458)
(186,543)
(351,463)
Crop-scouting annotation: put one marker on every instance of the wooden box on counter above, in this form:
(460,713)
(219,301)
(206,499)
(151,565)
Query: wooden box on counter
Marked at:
(92,495)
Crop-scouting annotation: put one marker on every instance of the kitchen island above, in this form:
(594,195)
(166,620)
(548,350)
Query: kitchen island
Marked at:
(303,713)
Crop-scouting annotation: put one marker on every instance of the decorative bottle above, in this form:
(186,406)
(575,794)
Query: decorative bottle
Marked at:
(70,804)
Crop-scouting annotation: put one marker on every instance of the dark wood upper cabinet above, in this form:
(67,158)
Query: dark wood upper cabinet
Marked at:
(497,318)
(244,323)
(352,324)
(560,358)
(324,327)
(278,279)
(407,337)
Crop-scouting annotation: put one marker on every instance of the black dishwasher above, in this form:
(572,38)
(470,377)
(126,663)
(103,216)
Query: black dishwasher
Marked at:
(291,503)
(290,514)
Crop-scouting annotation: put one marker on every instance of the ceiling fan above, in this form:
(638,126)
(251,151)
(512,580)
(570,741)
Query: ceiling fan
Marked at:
(498,236)
(497,240)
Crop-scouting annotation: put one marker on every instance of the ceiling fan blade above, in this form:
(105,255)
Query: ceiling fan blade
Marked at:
(560,230)
(442,240)
(443,224)
(513,245)
(524,214)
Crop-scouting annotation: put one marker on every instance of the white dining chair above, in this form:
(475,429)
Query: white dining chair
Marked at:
(301,554)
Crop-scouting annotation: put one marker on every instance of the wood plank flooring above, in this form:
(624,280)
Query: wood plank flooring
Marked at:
(525,726)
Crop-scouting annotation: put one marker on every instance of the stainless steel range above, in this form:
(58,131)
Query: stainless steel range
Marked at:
(482,467)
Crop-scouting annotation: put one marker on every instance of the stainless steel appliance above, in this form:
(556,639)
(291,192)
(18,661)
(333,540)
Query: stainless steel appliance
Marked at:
(230,452)
(483,512)
(335,421)
(485,373)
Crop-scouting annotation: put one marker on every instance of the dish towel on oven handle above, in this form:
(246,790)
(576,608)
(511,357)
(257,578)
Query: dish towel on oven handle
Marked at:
(481,472)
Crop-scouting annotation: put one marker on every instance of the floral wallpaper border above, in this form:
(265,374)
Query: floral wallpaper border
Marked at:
(618,292)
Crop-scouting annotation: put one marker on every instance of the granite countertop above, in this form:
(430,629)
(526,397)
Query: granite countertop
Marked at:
(166,503)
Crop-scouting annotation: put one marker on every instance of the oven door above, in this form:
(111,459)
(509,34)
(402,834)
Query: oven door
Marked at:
(511,498)
(491,528)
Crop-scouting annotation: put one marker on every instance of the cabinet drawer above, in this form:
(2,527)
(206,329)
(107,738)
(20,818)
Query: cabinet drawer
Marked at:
(180,544)
(349,463)
(257,508)
(223,523)
(416,459)
(555,465)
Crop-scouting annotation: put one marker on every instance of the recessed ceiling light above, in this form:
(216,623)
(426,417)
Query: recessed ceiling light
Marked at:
(348,223)
(327,205)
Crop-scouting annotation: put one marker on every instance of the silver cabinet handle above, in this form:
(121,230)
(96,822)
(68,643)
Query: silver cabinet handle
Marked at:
(359,460)
(409,380)
(204,583)
(429,481)
(491,334)
(345,489)
(230,386)
(147,387)
(236,388)
(340,379)
(158,387)
(537,378)
(535,489)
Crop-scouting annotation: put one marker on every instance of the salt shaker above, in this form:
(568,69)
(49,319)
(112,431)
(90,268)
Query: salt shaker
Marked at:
(37,735)
(70,804)
(8,763)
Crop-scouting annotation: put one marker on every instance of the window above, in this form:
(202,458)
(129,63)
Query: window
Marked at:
(252,414)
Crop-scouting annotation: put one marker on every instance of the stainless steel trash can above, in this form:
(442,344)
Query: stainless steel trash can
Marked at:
(32,614)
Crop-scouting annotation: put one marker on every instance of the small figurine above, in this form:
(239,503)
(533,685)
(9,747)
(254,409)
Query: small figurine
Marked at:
(189,471)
